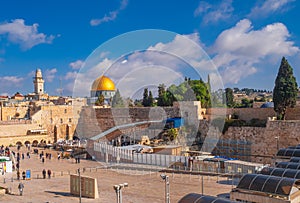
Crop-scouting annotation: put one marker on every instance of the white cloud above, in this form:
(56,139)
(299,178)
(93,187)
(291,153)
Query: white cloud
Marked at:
(111,16)
(269,6)
(50,74)
(12,79)
(27,36)
(85,78)
(8,82)
(213,13)
(77,64)
(71,75)
(166,63)
(238,49)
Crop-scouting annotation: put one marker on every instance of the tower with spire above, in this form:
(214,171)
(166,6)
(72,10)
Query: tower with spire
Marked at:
(38,82)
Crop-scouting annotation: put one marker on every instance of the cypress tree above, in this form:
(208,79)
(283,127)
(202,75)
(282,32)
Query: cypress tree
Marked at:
(145,101)
(285,90)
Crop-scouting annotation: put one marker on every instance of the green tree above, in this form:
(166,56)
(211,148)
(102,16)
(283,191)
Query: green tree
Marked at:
(117,100)
(285,90)
(145,101)
(100,100)
(172,134)
(150,99)
(246,103)
(229,97)
(161,100)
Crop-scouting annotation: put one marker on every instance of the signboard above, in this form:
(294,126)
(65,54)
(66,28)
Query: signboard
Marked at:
(89,186)
(28,174)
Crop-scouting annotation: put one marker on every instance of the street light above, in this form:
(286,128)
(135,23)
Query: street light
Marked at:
(79,185)
(167,187)
(118,189)
(277,144)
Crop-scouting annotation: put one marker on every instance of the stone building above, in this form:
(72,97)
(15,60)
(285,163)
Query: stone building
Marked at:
(38,117)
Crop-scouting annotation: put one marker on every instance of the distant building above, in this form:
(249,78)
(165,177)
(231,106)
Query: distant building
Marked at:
(18,96)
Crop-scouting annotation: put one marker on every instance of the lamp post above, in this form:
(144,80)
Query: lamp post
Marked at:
(79,185)
(118,189)
(277,142)
(167,187)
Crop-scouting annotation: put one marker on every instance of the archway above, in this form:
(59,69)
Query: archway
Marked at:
(19,143)
(35,143)
(27,142)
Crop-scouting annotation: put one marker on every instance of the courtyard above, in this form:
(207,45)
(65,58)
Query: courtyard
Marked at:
(145,184)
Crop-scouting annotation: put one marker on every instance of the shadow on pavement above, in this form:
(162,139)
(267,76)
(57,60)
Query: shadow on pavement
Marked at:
(66,194)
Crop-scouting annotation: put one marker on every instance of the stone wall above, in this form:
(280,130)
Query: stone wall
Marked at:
(60,121)
(265,141)
(93,120)
(11,134)
(9,113)
(252,113)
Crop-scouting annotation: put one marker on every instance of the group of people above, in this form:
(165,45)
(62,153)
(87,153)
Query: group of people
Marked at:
(48,172)
(23,175)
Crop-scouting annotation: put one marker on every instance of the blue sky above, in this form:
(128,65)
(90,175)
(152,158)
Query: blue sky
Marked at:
(245,39)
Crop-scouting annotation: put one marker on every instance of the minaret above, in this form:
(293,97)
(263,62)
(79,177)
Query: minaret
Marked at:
(38,82)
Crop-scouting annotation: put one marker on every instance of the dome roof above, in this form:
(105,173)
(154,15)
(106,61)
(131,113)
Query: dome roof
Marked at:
(267,105)
(103,83)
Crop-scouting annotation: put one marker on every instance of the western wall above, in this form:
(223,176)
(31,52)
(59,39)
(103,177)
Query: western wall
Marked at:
(265,141)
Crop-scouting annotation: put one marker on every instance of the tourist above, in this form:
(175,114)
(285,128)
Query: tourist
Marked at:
(23,156)
(43,159)
(18,174)
(23,175)
(49,173)
(44,173)
(21,187)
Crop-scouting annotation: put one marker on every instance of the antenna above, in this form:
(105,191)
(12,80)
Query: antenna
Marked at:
(60,90)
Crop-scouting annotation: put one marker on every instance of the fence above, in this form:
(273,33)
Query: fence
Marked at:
(138,158)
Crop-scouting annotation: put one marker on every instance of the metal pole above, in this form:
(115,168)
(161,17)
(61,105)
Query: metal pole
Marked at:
(117,190)
(167,189)
(202,185)
(79,185)
(120,195)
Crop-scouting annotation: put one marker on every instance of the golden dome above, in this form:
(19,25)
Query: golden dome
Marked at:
(103,83)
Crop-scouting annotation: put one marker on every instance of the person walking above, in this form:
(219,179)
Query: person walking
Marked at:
(23,175)
(44,174)
(49,173)
(21,187)
(18,174)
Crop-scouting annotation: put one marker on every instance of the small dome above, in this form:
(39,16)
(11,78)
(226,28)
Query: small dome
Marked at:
(38,73)
(267,105)
(103,83)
